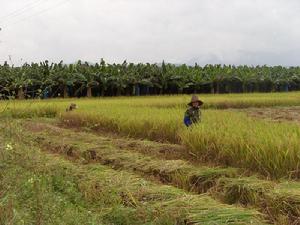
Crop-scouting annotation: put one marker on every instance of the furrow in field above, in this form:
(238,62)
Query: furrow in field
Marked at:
(122,197)
(163,150)
(107,151)
(226,184)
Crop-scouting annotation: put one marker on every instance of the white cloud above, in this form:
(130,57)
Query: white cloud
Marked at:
(206,31)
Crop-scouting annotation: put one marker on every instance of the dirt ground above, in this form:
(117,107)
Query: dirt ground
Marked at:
(278,114)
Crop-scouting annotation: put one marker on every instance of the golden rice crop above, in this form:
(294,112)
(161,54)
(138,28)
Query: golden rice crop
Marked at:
(228,138)
(237,140)
(220,101)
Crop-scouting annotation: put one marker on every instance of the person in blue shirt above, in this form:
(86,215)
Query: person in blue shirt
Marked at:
(193,113)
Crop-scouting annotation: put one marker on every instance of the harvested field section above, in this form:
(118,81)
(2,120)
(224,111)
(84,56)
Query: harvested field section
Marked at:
(229,185)
(278,114)
(110,196)
(132,161)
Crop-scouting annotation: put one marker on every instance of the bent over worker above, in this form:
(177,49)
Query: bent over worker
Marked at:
(193,113)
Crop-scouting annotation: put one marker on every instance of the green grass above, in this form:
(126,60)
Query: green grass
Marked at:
(224,138)
(42,188)
(237,140)
(33,192)
(221,101)
(281,201)
(229,138)
(278,200)
(92,148)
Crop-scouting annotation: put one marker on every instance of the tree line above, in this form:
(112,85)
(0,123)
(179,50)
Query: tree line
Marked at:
(49,80)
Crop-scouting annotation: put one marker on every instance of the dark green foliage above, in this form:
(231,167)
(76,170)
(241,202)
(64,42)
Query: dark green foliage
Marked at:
(46,80)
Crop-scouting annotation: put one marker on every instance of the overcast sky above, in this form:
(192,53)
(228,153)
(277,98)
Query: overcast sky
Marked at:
(178,31)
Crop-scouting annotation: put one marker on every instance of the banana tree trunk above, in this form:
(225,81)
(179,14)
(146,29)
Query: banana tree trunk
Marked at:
(161,91)
(273,87)
(244,88)
(218,87)
(133,90)
(199,88)
(119,91)
(195,89)
(21,93)
(137,90)
(212,88)
(103,89)
(89,92)
(180,90)
(66,94)
(147,90)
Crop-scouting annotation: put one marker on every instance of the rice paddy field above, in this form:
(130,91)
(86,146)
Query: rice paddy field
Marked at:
(131,160)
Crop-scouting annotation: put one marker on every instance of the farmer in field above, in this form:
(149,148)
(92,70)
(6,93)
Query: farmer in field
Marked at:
(193,113)
(72,107)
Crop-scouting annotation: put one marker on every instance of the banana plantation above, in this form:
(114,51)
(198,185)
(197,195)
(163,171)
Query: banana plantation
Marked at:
(82,79)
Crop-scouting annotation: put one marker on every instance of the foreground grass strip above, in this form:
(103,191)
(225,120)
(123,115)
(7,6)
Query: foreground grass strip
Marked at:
(33,192)
(93,148)
(116,197)
(281,201)
(269,197)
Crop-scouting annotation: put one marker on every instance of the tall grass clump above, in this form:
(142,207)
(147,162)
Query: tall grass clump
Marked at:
(29,109)
(143,122)
(237,140)
(228,138)
(219,101)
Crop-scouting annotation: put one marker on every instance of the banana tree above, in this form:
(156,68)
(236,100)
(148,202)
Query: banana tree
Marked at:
(102,77)
(119,77)
(137,77)
(215,76)
(86,76)
(91,82)
(62,76)
(19,81)
(180,78)
(161,77)
(5,73)
(116,79)
(197,79)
